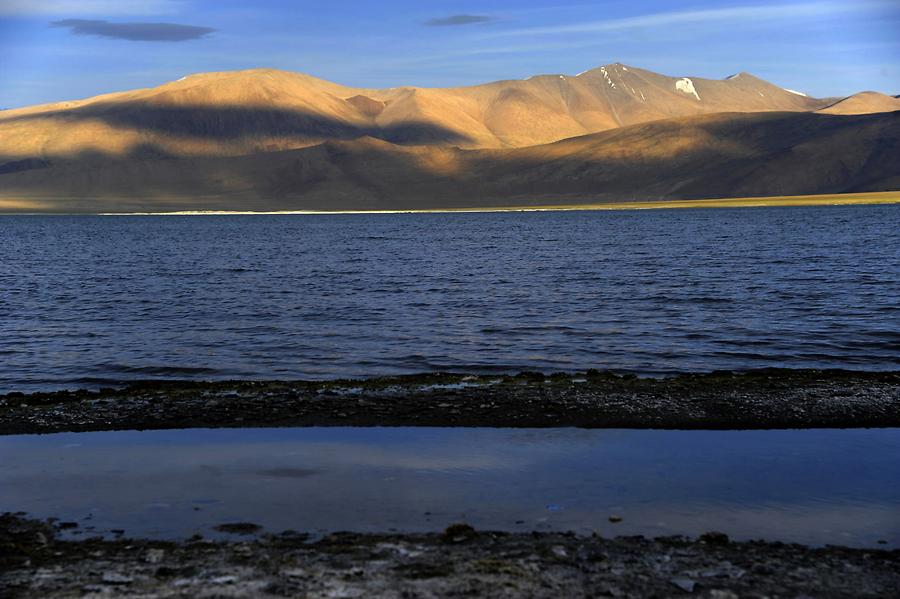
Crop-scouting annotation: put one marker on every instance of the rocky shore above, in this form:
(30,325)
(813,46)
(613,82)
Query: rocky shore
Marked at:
(34,562)
(720,400)
(38,560)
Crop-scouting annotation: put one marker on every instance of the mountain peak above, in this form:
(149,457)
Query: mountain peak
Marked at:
(266,109)
(245,74)
(745,76)
(605,67)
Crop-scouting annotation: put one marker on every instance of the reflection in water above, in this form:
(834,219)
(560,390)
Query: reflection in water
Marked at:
(816,486)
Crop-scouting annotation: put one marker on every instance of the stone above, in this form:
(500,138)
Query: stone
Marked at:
(715,538)
(458,533)
(295,573)
(685,584)
(116,578)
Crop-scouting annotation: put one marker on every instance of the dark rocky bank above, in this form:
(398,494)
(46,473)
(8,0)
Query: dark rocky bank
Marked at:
(459,562)
(720,400)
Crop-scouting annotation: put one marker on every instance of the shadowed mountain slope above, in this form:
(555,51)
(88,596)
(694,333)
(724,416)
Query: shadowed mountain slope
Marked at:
(719,155)
(242,112)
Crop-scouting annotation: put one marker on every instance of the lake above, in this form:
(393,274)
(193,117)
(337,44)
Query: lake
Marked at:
(91,301)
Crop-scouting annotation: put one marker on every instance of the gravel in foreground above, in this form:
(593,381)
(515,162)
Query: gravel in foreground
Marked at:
(459,562)
(721,400)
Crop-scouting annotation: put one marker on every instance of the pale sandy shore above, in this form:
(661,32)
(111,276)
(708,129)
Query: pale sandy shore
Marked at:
(18,206)
(888,197)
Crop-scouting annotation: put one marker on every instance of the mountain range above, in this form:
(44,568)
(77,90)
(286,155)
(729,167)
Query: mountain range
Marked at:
(274,140)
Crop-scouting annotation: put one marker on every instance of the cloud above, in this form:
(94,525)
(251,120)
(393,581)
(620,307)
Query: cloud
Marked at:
(135,32)
(25,8)
(737,14)
(458,20)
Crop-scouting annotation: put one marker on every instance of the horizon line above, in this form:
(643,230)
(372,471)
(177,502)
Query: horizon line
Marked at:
(836,199)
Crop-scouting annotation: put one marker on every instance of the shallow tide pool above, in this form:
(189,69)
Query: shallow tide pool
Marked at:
(811,486)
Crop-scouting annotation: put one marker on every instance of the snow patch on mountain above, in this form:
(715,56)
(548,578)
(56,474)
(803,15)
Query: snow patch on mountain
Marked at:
(795,92)
(686,86)
(607,77)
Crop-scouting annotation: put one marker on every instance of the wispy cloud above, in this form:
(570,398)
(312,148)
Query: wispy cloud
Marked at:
(135,32)
(87,7)
(455,20)
(740,14)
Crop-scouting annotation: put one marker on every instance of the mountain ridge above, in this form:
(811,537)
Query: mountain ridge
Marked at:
(298,110)
(274,140)
(707,156)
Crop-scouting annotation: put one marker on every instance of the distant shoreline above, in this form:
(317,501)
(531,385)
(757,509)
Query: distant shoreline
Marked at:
(850,199)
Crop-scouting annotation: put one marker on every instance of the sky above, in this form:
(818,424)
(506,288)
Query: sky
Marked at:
(54,50)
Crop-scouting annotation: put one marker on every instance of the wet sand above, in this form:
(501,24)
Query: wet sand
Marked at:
(762,399)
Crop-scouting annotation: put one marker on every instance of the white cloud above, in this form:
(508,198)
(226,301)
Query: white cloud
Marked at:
(739,14)
(27,8)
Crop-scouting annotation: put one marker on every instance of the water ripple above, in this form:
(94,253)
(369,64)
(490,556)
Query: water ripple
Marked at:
(86,301)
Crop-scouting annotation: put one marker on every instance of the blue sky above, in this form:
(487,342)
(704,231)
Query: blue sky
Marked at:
(53,50)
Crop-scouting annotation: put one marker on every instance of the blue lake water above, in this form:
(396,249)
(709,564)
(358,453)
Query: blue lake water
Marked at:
(88,301)
(811,486)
